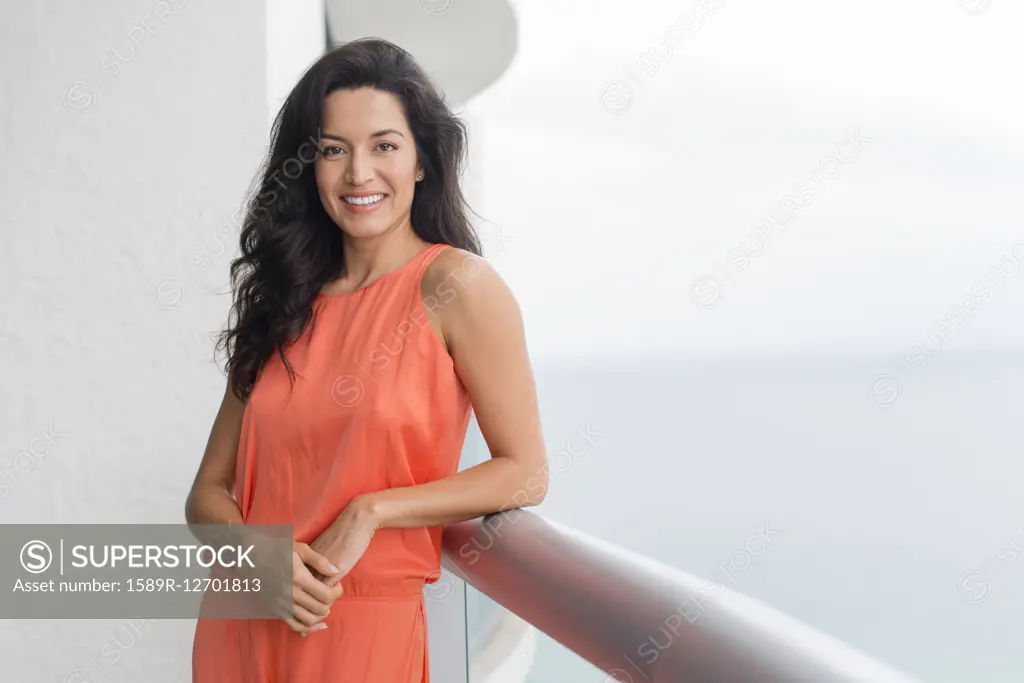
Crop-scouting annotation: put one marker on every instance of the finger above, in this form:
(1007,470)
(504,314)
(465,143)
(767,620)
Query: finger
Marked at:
(301,599)
(335,591)
(305,617)
(315,560)
(333,581)
(316,590)
(319,590)
(278,601)
(295,626)
(302,629)
(283,608)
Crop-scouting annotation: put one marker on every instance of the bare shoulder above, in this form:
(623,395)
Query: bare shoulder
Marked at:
(456,271)
(453,262)
(464,295)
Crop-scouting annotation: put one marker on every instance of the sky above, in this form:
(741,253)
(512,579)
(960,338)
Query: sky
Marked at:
(630,150)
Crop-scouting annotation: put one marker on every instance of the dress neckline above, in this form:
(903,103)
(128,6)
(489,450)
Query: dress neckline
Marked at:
(344,295)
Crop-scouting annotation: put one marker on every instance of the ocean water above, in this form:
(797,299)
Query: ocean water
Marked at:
(898,501)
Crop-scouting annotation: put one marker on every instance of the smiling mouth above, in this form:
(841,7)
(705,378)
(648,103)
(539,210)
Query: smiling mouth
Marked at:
(368,200)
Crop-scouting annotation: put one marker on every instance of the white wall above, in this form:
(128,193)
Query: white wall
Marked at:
(116,170)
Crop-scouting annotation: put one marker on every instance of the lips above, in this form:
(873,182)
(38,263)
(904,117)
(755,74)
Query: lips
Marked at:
(364,204)
(363,200)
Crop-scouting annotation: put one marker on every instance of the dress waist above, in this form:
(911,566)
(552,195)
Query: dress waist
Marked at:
(389,588)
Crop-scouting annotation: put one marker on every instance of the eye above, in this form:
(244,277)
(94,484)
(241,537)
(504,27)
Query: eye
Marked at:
(392,145)
(331,151)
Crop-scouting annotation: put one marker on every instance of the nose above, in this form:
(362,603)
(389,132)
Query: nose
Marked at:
(359,171)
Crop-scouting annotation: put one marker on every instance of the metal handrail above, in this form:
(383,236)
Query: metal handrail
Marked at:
(638,620)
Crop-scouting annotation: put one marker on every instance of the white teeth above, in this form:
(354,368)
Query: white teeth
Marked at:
(362,201)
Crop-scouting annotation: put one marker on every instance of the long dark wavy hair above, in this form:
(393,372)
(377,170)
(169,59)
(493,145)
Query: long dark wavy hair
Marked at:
(290,247)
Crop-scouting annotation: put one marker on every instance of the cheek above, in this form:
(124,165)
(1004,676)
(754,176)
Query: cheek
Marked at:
(326,174)
(401,171)
(402,179)
(326,179)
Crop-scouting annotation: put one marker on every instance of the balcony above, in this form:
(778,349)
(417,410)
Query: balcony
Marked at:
(630,617)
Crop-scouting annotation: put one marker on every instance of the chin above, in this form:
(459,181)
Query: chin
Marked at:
(359,228)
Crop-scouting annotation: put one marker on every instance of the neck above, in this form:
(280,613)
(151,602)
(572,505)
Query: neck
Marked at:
(369,258)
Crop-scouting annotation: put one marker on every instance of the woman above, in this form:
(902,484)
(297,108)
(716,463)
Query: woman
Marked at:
(365,328)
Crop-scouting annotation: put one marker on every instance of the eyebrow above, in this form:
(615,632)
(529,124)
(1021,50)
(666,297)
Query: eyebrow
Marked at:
(379,133)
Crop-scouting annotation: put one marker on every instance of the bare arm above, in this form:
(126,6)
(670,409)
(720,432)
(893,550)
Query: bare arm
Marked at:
(211,500)
(482,328)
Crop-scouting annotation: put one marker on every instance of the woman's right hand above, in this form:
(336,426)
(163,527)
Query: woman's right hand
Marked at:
(312,598)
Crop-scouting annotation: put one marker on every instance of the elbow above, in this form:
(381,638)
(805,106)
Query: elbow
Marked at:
(204,499)
(194,503)
(190,514)
(536,487)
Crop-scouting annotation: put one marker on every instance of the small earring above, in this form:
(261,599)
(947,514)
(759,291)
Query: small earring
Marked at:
(419,177)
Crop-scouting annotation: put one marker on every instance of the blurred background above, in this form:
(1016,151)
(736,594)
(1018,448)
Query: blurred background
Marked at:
(768,256)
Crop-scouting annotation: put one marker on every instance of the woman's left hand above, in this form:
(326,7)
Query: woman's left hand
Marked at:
(347,538)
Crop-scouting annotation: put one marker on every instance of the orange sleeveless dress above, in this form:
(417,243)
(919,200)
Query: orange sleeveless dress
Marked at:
(376,405)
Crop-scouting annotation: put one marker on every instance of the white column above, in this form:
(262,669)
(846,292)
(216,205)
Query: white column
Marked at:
(296,37)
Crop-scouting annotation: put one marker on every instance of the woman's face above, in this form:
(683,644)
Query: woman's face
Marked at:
(367,151)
